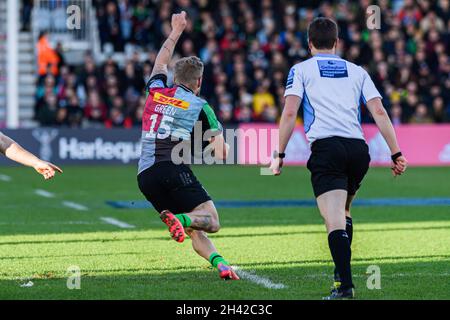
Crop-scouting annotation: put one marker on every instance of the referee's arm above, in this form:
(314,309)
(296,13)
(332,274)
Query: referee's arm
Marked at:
(287,125)
(386,128)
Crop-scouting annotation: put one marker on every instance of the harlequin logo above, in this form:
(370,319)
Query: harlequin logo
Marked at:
(160,98)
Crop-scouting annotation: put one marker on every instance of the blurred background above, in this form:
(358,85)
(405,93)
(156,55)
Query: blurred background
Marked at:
(87,67)
(95,76)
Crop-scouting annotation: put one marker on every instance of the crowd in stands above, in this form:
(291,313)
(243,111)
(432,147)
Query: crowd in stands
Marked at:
(247,48)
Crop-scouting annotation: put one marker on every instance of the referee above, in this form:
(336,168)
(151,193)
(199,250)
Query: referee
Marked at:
(331,90)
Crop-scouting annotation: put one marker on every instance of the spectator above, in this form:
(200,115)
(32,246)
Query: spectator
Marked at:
(421,115)
(47,57)
(47,113)
(247,47)
(262,99)
(75,112)
(95,110)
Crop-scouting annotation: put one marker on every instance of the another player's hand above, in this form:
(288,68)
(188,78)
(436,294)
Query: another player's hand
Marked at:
(276,165)
(399,166)
(179,22)
(47,169)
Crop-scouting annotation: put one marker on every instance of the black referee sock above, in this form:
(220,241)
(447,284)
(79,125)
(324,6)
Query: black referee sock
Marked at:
(339,244)
(349,230)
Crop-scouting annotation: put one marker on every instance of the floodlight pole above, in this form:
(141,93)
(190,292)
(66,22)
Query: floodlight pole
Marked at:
(12,57)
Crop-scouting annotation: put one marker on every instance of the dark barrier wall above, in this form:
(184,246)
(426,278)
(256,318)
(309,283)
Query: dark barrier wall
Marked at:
(81,146)
(423,145)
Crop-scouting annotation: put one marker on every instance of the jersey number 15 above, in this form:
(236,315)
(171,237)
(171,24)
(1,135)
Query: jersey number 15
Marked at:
(159,127)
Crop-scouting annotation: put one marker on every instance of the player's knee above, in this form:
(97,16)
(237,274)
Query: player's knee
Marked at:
(214,226)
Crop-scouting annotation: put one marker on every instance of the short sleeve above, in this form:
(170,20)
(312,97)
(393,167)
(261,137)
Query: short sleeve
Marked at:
(294,83)
(209,119)
(368,89)
(157,81)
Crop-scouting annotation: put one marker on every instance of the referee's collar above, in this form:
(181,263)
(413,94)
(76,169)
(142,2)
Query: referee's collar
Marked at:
(328,55)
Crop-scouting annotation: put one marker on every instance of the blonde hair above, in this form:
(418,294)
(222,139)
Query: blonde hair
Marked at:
(188,70)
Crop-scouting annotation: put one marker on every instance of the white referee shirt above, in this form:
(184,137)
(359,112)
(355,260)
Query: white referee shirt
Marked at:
(332,90)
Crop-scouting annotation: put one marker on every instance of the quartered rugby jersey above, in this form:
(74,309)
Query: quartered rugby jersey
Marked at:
(169,117)
(332,91)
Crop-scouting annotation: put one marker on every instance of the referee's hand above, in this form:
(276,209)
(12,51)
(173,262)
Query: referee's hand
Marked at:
(399,166)
(276,165)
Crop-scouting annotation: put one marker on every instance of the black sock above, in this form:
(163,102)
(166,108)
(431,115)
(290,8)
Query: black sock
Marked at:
(349,230)
(339,244)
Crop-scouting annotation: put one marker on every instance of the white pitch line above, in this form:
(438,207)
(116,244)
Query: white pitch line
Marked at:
(5,178)
(44,193)
(265,282)
(118,223)
(74,205)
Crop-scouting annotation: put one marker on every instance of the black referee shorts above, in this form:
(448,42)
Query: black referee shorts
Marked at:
(172,187)
(338,164)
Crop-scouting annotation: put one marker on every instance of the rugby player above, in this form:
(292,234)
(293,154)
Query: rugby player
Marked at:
(169,116)
(331,91)
(15,152)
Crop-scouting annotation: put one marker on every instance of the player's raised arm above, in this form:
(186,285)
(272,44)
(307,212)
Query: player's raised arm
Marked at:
(165,53)
(15,152)
(287,125)
(386,128)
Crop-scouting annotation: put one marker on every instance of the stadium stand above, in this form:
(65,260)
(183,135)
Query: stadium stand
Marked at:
(247,59)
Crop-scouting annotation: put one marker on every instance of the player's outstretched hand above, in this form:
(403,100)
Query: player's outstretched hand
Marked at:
(399,166)
(47,169)
(179,22)
(276,165)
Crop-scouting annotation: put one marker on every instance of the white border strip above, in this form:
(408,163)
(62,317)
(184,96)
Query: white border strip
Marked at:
(74,205)
(118,223)
(5,178)
(265,282)
(44,193)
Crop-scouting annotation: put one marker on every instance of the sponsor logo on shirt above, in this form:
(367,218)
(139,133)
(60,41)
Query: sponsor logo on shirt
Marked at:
(160,98)
(332,68)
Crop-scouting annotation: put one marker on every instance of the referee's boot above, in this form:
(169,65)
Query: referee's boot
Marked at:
(341,294)
(336,283)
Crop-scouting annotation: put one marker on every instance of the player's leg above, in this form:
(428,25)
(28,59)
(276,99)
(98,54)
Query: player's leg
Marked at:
(349,230)
(332,208)
(206,249)
(195,211)
(359,159)
(204,217)
(348,217)
(151,183)
(328,166)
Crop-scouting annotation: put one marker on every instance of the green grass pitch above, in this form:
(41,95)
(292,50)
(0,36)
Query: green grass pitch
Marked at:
(40,238)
